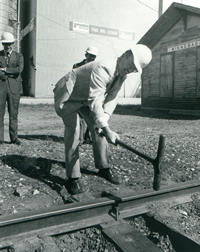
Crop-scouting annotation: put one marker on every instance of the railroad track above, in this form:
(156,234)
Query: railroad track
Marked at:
(108,209)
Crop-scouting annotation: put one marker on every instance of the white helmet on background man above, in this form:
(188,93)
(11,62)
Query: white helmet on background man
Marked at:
(92,50)
(7,37)
(142,56)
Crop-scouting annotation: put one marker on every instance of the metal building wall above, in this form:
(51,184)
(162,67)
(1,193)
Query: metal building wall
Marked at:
(58,47)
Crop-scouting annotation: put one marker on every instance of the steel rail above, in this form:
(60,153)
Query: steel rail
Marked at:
(74,216)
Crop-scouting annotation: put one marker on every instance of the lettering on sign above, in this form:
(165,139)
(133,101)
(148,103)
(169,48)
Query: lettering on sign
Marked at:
(184,45)
(99,30)
(103,31)
(126,35)
(79,27)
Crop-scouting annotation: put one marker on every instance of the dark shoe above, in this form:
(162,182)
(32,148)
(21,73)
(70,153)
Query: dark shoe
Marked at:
(107,174)
(74,186)
(1,142)
(16,141)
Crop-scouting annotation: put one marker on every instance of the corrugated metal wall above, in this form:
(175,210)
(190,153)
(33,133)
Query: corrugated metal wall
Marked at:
(58,47)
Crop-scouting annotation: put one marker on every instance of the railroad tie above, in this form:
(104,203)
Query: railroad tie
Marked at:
(127,238)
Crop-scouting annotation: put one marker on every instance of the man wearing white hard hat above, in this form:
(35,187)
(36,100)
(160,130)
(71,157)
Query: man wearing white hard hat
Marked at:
(90,55)
(11,66)
(91,90)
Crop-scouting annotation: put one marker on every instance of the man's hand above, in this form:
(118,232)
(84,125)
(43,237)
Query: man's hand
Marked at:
(110,135)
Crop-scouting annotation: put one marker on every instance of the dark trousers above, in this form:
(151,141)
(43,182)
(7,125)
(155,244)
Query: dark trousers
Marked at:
(12,101)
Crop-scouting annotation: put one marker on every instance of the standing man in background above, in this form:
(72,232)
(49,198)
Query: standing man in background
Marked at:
(11,66)
(91,90)
(90,55)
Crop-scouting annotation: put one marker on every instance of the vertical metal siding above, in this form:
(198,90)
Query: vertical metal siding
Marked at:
(58,48)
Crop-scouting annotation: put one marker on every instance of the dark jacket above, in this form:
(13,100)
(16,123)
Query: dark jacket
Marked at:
(83,62)
(12,76)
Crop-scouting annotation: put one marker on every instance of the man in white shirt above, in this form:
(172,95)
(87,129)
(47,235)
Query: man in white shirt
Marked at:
(91,90)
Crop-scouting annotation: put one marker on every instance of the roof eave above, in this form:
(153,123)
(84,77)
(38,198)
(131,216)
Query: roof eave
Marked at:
(168,19)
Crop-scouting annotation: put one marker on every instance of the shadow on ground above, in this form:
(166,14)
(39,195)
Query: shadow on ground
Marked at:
(136,110)
(40,169)
(36,168)
(43,137)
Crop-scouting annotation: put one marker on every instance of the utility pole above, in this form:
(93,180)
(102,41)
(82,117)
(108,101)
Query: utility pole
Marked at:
(160,8)
(18,25)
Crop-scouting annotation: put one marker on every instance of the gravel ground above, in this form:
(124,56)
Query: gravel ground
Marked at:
(85,240)
(32,175)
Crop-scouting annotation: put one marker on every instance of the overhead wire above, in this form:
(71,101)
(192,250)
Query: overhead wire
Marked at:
(67,27)
(92,37)
(109,42)
(79,13)
(146,5)
(63,26)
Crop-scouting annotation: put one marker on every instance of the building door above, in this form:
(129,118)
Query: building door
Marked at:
(166,75)
(185,76)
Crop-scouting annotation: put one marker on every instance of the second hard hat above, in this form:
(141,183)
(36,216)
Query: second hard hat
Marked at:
(7,37)
(92,50)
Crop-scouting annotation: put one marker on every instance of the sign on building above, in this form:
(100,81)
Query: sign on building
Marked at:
(184,45)
(79,27)
(100,30)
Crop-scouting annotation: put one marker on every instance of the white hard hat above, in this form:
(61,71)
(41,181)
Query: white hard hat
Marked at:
(7,37)
(92,50)
(142,56)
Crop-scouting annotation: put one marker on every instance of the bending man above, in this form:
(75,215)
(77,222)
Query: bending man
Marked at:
(91,90)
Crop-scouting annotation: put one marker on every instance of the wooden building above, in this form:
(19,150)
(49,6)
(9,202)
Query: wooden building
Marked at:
(172,79)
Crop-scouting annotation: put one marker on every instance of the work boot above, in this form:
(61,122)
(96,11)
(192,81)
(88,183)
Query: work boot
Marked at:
(73,186)
(108,175)
(16,141)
